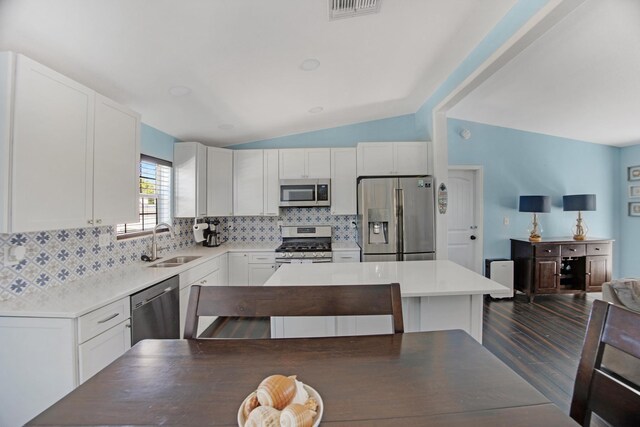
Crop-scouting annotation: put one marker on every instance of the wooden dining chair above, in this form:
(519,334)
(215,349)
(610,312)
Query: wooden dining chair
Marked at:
(600,389)
(266,301)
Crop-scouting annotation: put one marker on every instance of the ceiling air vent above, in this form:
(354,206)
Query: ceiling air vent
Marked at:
(351,8)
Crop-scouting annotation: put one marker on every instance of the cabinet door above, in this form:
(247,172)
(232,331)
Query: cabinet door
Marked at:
(248,189)
(547,274)
(271,183)
(52,169)
(260,273)
(201,181)
(212,279)
(238,269)
(292,163)
(318,163)
(598,271)
(186,165)
(343,181)
(411,158)
(219,182)
(375,158)
(116,186)
(98,352)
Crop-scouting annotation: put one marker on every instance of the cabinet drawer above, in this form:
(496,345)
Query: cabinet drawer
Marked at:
(598,248)
(262,258)
(199,271)
(573,250)
(350,256)
(547,250)
(98,321)
(100,351)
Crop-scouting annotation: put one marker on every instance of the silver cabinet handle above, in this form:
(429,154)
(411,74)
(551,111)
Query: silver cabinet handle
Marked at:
(98,221)
(202,282)
(113,316)
(128,325)
(89,221)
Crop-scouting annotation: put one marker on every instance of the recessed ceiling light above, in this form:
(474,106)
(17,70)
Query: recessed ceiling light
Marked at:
(179,91)
(309,64)
(316,110)
(225,126)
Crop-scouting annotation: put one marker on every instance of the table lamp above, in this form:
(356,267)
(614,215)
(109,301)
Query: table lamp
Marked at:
(579,202)
(535,204)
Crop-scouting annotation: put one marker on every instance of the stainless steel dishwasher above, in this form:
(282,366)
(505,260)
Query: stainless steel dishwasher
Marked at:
(155,312)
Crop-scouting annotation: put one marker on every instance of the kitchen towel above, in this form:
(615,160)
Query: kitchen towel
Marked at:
(198,231)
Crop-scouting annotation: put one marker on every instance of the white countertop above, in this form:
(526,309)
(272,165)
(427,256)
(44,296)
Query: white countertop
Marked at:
(79,297)
(416,278)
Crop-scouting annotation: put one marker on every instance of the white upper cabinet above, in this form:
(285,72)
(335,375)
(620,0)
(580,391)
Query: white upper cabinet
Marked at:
(65,151)
(248,189)
(271,184)
(393,158)
(219,182)
(190,179)
(255,183)
(301,163)
(116,148)
(343,181)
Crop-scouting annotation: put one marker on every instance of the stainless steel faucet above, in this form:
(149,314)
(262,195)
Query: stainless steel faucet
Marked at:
(154,245)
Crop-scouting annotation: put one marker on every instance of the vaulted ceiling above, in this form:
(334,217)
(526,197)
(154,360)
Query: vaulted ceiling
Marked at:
(235,67)
(580,80)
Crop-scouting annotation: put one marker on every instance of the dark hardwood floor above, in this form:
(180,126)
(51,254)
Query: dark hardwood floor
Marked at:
(541,341)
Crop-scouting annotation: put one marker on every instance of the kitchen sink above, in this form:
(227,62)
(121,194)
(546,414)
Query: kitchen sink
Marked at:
(174,262)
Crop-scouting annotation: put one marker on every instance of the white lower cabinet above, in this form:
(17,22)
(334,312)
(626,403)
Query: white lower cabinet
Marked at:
(238,269)
(98,352)
(210,273)
(346,256)
(251,268)
(43,359)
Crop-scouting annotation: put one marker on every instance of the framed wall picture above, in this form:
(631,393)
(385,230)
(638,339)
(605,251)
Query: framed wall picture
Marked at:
(634,173)
(634,208)
(634,191)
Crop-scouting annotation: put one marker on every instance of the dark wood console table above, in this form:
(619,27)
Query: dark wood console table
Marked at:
(561,265)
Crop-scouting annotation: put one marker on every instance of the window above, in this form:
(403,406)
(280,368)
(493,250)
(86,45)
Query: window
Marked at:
(155,197)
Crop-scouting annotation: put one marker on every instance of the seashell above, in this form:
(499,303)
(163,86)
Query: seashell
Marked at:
(311,404)
(296,415)
(250,404)
(263,416)
(276,391)
(301,394)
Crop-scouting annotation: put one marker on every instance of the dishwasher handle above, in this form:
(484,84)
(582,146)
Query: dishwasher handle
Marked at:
(147,301)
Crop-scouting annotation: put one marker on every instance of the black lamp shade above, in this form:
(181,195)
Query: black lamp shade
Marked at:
(579,202)
(535,204)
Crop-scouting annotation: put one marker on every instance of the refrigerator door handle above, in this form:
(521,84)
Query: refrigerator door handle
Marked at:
(400,223)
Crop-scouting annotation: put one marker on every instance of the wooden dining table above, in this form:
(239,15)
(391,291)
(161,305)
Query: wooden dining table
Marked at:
(442,378)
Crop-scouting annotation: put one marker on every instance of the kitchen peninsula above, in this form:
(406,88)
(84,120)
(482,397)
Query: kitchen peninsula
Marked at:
(436,295)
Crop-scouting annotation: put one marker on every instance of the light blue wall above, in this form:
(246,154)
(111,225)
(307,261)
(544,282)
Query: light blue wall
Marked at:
(400,128)
(517,16)
(156,143)
(523,163)
(629,247)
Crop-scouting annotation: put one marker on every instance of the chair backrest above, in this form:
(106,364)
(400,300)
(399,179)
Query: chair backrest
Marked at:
(597,389)
(266,301)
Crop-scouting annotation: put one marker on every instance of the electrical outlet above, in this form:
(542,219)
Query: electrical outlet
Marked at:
(505,220)
(13,255)
(280,223)
(104,240)
(230,225)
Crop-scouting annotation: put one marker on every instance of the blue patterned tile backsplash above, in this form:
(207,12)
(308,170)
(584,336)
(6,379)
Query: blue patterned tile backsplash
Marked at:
(60,256)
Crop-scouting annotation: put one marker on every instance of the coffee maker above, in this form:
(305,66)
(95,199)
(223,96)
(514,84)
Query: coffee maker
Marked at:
(212,235)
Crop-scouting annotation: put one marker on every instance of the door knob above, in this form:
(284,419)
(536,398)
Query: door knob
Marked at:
(473,237)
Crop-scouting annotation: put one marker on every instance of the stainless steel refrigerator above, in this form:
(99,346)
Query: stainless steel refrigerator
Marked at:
(396,218)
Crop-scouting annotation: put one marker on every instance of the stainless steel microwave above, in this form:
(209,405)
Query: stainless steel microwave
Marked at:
(305,192)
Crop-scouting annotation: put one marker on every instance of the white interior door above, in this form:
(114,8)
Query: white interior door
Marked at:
(465,246)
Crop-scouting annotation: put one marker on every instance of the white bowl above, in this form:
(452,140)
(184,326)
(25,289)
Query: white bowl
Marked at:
(312,393)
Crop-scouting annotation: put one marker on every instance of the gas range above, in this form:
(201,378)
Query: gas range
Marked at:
(305,244)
